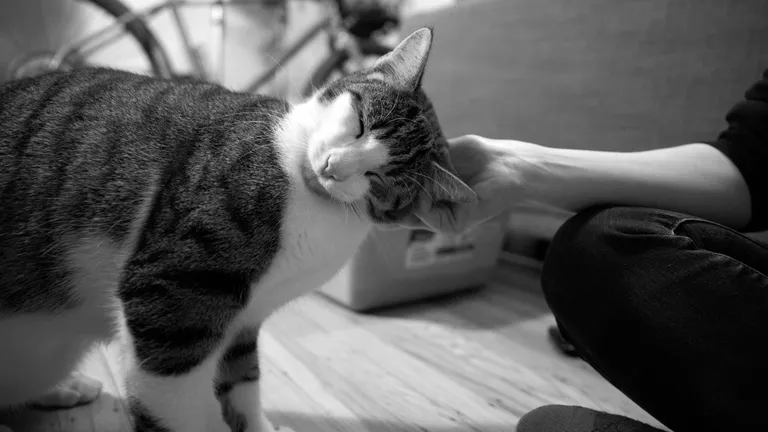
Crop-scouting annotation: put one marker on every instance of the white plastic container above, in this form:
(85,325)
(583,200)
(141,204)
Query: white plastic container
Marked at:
(400,266)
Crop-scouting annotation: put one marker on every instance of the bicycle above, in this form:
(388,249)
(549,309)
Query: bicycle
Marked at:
(353,36)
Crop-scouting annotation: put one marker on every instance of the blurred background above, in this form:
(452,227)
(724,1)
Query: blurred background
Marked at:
(251,35)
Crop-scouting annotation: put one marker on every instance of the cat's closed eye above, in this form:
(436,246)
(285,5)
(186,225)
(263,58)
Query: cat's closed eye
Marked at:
(370,174)
(362,128)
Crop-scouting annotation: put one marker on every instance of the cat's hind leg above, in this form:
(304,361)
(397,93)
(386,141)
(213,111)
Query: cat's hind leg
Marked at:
(183,403)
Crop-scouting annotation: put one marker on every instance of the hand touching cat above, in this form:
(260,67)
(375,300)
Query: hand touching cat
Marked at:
(490,168)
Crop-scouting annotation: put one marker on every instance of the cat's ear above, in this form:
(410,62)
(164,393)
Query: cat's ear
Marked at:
(448,187)
(405,65)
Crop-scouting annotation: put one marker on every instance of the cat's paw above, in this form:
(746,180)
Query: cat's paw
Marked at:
(76,390)
(5,429)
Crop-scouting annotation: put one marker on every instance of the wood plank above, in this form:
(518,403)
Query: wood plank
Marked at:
(477,361)
(106,414)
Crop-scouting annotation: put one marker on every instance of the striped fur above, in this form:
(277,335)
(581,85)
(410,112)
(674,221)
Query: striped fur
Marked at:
(174,217)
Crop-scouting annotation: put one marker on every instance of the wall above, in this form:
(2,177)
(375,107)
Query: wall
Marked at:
(599,74)
(593,74)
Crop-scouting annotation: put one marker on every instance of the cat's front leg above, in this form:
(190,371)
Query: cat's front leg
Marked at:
(165,403)
(237,385)
(241,408)
(175,330)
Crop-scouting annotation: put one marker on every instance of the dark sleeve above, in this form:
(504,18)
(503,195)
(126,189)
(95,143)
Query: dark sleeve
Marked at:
(745,142)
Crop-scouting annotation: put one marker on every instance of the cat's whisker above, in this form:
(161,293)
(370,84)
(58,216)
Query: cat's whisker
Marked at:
(391,110)
(409,189)
(431,198)
(252,150)
(251,110)
(356,209)
(292,82)
(363,212)
(269,120)
(402,181)
(435,182)
(314,89)
(346,215)
(406,120)
(255,112)
(268,115)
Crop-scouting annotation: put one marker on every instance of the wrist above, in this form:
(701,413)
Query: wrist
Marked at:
(560,179)
(529,166)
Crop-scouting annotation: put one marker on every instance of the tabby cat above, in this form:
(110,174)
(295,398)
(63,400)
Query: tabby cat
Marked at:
(175,217)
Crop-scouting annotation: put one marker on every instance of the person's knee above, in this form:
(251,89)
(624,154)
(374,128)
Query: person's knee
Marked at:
(589,254)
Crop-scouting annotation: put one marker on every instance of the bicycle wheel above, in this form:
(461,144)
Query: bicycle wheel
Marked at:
(335,66)
(38,32)
(161,65)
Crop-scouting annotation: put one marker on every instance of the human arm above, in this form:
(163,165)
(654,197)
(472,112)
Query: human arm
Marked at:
(695,179)
(725,180)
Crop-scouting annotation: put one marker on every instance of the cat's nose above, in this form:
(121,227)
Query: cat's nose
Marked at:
(334,169)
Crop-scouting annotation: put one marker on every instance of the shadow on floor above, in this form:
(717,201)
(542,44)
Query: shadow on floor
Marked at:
(81,420)
(106,414)
(302,422)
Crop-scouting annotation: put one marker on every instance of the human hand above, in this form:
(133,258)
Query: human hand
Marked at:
(492,168)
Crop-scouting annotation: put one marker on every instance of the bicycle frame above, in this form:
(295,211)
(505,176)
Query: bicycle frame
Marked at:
(106,35)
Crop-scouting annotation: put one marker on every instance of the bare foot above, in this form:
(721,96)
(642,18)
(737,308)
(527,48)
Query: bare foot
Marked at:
(78,389)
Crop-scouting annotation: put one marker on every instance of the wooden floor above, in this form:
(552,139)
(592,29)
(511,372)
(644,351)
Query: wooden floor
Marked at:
(476,362)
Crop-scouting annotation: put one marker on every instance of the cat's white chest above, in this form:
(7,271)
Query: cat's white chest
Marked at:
(318,238)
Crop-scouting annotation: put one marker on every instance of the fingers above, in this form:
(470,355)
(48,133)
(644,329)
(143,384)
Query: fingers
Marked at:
(470,138)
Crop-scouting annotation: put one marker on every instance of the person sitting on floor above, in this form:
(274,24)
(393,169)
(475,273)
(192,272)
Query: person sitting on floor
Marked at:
(652,280)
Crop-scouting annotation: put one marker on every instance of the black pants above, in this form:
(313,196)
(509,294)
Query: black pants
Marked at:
(671,309)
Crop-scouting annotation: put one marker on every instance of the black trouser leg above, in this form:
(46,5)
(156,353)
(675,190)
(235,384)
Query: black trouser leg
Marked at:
(671,309)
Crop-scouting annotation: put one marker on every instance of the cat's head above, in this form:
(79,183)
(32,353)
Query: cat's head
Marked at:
(375,143)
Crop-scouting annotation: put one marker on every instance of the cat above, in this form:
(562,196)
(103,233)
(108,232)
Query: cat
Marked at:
(175,217)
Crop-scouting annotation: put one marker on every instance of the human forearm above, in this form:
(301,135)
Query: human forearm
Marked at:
(696,179)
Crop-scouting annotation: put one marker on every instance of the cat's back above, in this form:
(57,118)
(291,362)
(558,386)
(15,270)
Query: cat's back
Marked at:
(74,160)
(73,143)
(63,126)
(82,154)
